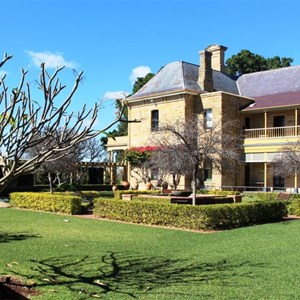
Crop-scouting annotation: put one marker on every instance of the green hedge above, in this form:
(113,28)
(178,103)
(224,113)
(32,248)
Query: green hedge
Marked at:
(294,206)
(223,193)
(270,196)
(161,199)
(217,192)
(219,216)
(118,193)
(47,202)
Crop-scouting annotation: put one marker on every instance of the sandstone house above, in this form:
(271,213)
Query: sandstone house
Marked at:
(265,103)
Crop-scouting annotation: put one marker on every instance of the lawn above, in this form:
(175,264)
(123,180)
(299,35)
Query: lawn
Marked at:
(75,258)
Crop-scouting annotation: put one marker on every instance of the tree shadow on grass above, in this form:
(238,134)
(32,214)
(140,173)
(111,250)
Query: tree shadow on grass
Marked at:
(6,237)
(134,275)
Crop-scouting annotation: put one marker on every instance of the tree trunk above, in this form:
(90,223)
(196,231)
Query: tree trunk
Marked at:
(195,173)
(50,183)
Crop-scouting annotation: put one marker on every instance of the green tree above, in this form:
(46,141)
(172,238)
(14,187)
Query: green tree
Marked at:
(141,81)
(122,127)
(247,62)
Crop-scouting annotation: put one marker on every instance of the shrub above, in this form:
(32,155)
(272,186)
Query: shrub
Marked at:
(294,206)
(219,216)
(270,196)
(217,192)
(47,202)
(222,193)
(118,194)
(161,199)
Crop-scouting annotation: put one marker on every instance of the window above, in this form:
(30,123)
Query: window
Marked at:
(208,170)
(208,118)
(154,174)
(278,121)
(154,120)
(278,182)
(247,123)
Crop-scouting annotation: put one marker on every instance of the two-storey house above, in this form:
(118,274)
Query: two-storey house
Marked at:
(265,103)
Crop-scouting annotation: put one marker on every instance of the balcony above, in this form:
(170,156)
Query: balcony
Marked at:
(272,132)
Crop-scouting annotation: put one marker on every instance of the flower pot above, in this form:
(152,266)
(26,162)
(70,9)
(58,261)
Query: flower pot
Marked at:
(164,185)
(148,186)
(126,184)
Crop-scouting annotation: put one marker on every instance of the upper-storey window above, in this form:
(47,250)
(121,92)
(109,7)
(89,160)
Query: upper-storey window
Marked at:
(279,121)
(154,120)
(208,118)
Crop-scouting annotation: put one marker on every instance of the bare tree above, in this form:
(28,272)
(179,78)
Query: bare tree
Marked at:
(184,148)
(67,169)
(287,163)
(25,123)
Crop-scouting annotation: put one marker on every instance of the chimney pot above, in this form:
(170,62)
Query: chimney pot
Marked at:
(218,54)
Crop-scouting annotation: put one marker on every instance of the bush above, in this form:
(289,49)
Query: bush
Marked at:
(47,202)
(294,206)
(118,194)
(217,192)
(161,199)
(270,196)
(219,216)
(223,193)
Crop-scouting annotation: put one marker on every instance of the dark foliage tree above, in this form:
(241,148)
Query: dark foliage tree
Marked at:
(141,81)
(247,62)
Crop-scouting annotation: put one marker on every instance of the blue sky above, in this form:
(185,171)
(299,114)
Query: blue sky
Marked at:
(113,41)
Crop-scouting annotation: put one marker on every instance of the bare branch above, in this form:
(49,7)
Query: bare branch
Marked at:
(25,124)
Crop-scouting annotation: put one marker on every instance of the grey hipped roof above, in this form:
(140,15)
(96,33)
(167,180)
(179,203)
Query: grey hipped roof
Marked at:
(270,82)
(181,76)
(272,88)
(269,89)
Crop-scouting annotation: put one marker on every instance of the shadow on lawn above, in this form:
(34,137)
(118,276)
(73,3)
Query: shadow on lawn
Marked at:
(134,275)
(6,237)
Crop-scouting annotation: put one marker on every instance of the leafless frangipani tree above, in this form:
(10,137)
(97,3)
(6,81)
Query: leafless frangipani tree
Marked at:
(184,147)
(25,123)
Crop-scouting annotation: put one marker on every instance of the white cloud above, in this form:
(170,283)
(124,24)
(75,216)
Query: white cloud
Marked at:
(115,95)
(140,71)
(51,60)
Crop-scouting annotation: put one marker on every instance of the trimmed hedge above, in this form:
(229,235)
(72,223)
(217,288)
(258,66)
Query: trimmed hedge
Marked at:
(118,193)
(294,206)
(218,193)
(47,202)
(270,196)
(219,216)
(223,193)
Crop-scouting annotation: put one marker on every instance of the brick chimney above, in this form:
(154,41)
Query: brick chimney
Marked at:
(205,78)
(217,59)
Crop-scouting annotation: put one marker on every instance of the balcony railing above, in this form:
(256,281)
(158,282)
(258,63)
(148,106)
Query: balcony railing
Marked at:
(272,132)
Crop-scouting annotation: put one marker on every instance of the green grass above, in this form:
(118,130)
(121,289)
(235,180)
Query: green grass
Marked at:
(84,258)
